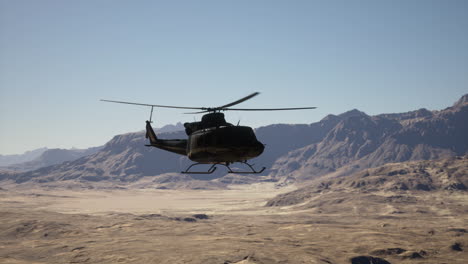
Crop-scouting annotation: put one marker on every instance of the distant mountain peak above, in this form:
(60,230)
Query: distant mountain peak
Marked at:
(329,117)
(171,128)
(462,101)
(352,113)
(422,112)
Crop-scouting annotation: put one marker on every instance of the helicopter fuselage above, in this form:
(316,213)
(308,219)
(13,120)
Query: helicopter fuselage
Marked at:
(223,144)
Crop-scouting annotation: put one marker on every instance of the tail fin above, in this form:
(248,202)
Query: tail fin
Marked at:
(150,133)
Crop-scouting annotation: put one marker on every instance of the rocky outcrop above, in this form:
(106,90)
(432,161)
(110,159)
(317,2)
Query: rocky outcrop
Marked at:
(441,175)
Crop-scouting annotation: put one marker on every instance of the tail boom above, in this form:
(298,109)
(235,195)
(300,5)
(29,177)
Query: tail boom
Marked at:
(178,146)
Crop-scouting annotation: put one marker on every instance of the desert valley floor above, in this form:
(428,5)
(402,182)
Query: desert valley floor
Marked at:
(231,226)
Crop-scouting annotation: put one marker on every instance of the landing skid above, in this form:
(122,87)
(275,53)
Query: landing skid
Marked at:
(210,170)
(213,168)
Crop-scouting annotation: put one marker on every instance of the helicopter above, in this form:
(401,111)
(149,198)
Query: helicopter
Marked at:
(212,140)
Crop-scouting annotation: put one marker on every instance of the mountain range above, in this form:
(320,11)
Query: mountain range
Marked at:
(361,141)
(337,145)
(6,160)
(44,157)
(51,157)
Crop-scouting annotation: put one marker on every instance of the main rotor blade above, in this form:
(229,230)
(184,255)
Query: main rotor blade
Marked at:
(165,106)
(254,109)
(201,112)
(266,109)
(239,101)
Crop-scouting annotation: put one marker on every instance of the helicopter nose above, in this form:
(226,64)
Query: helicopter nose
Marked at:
(259,147)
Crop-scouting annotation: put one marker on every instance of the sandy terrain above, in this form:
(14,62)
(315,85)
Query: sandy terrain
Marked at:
(170,226)
(241,199)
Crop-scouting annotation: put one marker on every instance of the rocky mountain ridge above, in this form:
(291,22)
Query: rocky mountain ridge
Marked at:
(363,141)
(6,160)
(52,157)
(335,146)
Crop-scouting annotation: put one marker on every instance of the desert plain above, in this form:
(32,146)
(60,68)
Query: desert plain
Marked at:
(43,225)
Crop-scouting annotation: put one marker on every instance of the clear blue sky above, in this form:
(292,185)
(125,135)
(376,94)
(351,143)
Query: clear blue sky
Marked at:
(58,58)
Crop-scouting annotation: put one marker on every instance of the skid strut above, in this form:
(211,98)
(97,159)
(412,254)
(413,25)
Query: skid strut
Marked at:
(213,168)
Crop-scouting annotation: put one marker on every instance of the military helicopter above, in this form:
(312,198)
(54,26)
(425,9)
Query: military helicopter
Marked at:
(212,140)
